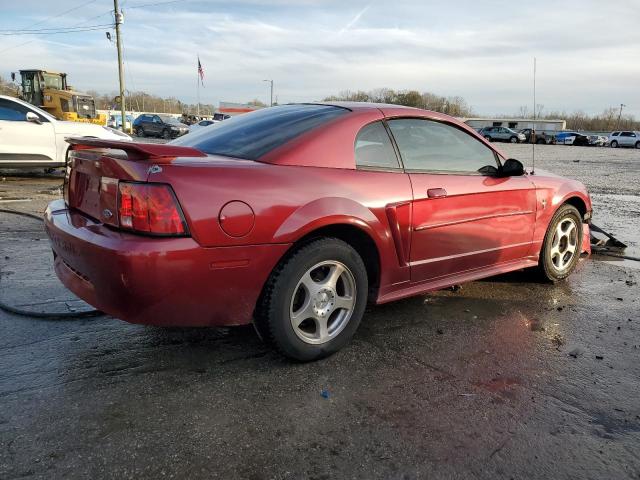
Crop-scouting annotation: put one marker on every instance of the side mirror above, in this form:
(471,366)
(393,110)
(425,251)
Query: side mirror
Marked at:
(512,168)
(32,117)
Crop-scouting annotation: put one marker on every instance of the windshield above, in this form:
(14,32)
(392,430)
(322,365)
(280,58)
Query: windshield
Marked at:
(170,120)
(255,134)
(52,81)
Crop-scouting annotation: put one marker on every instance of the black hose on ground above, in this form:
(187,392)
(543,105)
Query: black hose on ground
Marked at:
(44,315)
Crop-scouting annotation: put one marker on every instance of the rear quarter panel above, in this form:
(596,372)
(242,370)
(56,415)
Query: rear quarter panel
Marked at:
(288,202)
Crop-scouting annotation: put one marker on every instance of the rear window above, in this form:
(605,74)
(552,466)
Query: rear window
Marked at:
(252,135)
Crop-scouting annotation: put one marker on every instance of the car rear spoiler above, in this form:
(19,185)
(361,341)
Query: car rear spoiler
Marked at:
(159,153)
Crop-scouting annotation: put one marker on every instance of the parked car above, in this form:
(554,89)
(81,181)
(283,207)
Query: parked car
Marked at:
(115,121)
(598,140)
(31,137)
(542,137)
(153,125)
(221,116)
(572,138)
(624,139)
(202,123)
(502,134)
(295,217)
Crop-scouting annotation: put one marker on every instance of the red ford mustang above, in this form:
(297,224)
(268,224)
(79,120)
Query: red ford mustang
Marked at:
(293,217)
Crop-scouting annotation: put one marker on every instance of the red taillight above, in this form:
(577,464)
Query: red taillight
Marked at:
(150,208)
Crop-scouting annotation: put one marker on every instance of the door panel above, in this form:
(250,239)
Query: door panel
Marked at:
(26,142)
(481,221)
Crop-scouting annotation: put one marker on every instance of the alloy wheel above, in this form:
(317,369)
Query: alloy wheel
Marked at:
(323,302)
(564,244)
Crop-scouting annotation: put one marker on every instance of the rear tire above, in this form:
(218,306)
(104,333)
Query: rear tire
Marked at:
(614,144)
(562,244)
(314,300)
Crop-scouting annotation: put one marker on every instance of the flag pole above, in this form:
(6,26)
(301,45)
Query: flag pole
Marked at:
(198,89)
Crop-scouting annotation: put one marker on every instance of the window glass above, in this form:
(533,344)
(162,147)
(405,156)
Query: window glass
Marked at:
(374,149)
(432,146)
(12,112)
(254,134)
(625,134)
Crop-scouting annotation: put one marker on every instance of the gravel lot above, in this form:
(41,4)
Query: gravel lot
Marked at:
(505,378)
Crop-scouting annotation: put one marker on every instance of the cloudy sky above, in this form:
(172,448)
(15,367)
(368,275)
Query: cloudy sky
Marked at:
(588,57)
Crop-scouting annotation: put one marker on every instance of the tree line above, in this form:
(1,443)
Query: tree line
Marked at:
(455,106)
(609,119)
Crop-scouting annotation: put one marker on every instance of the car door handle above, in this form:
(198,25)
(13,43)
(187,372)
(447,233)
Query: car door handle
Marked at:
(436,193)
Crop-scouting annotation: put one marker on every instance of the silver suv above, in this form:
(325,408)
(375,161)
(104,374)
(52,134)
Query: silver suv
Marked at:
(502,134)
(624,139)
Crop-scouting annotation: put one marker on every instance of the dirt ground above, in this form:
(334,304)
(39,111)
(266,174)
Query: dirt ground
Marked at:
(505,378)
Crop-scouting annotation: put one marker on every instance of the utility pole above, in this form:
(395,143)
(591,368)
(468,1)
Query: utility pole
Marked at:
(271,98)
(119,19)
(620,115)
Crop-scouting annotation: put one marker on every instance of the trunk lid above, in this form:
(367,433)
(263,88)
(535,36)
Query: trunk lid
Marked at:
(97,166)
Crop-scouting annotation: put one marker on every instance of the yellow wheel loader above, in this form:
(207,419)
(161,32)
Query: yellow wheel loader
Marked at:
(49,91)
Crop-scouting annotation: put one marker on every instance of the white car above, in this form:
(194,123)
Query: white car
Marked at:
(31,137)
(624,139)
(202,124)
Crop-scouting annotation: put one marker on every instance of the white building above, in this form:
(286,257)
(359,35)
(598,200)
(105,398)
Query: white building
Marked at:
(517,123)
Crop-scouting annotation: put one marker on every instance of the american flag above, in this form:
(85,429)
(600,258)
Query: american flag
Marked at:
(200,72)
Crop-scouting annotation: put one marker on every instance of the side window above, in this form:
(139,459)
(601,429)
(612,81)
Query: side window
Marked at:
(625,134)
(615,134)
(156,119)
(12,112)
(373,148)
(427,145)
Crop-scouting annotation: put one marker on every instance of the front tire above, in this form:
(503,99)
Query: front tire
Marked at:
(314,300)
(637,144)
(166,134)
(140,132)
(562,244)
(513,140)
(488,138)
(614,144)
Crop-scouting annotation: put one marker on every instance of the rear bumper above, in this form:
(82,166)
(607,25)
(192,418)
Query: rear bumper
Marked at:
(157,281)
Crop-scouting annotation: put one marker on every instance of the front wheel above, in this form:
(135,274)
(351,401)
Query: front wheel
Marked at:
(139,132)
(637,144)
(314,300)
(166,134)
(513,139)
(562,244)
(614,144)
(487,138)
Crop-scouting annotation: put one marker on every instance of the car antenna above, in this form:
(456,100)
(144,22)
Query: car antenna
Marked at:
(534,131)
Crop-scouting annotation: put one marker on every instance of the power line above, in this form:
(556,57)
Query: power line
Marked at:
(88,28)
(84,4)
(31,41)
(48,30)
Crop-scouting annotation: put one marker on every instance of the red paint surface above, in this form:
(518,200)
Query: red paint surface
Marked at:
(480,226)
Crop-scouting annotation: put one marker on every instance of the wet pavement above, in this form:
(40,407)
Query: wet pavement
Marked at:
(505,378)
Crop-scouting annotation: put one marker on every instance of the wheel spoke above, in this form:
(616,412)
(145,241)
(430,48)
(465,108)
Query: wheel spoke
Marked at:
(345,303)
(311,286)
(321,328)
(334,275)
(306,311)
